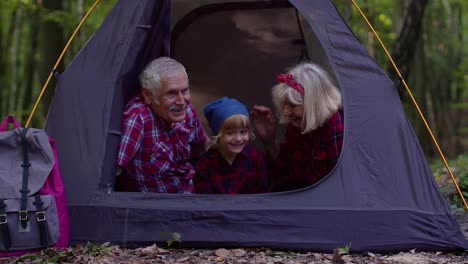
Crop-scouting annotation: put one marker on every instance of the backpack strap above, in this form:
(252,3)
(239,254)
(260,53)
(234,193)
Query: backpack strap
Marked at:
(41,220)
(23,213)
(4,226)
(8,120)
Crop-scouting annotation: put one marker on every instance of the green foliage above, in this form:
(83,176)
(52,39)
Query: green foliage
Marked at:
(459,105)
(344,250)
(50,255)
(385,20)
(459,168)
(381,14)
(16,49)
(93,249)
(54,255)
(59,17)
(173,237)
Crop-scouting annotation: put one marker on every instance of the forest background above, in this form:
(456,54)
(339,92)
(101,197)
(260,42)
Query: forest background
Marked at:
(426,39)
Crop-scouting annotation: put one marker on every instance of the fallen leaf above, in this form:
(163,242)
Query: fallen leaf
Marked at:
(260,259)
(409,258)
(161,250)
(150,250)
(183,259)
(222,253)
(239,252)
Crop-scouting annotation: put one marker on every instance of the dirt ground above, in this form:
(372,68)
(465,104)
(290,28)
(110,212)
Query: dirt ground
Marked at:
(165,255)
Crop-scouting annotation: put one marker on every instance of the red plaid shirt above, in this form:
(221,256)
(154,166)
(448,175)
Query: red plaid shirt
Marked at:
(305,159)
(247,174)
(155,154)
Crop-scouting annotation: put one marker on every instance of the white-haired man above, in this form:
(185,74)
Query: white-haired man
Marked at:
(159,130)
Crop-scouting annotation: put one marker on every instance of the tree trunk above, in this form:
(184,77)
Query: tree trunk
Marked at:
(14,52)
(25,101)
(459,112)
(407,54)
(408,35)
(51,44)
(419,85)
(445,82)
(80,13)
(5,70)
(347,12)
(448,83)
(2,65)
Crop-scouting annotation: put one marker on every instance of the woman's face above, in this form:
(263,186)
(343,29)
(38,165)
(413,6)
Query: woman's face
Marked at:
(294,113)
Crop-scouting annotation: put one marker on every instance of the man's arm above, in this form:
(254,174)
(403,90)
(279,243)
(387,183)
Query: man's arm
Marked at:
(201,143)
(132,136)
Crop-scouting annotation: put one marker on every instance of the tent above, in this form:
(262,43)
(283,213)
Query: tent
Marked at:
(381,196)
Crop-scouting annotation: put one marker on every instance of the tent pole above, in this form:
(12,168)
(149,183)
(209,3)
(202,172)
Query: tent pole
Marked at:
(414,102)
(58,61)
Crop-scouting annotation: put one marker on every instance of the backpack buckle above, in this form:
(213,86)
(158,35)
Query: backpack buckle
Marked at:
(40,216)
(3,219)
(23,215)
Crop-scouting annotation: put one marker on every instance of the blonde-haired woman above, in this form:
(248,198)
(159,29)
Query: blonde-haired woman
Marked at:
(311,105)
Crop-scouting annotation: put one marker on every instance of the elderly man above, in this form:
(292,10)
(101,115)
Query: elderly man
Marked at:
(159,130)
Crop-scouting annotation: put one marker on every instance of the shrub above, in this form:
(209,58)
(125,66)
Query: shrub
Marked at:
(459,168)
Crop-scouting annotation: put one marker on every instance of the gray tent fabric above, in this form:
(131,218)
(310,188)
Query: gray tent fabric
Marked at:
(381,197)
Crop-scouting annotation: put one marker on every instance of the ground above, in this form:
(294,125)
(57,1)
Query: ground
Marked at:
(165,255)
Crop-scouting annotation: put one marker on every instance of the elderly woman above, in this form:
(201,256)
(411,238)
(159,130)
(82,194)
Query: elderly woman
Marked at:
(311,105)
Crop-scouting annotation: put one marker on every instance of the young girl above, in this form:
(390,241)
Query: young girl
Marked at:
(230,166)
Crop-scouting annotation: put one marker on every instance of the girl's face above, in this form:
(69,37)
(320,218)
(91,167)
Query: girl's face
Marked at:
(233,140)
(294,113)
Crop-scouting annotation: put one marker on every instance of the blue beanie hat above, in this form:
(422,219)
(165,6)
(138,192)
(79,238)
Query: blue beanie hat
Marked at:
(217,111)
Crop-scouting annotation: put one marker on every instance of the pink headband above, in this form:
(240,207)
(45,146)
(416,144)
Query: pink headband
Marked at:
(288,79)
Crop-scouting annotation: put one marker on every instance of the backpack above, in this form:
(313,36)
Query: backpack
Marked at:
(33,212)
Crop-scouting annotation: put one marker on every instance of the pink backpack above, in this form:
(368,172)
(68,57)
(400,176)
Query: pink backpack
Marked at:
(38,218)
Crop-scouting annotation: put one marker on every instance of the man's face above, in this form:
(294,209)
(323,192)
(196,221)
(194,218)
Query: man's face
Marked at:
(174,97)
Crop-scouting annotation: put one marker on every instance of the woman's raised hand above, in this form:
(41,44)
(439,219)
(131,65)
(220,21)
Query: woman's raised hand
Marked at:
(264,122)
